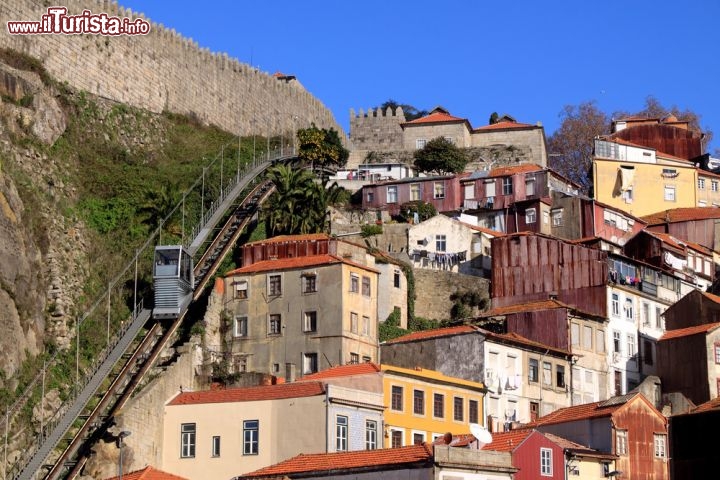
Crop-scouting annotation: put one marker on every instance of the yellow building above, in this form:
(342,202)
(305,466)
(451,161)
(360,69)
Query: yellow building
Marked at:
(423,405)
(641,180)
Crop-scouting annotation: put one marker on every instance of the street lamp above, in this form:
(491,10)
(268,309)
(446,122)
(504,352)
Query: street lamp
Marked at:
(120,438)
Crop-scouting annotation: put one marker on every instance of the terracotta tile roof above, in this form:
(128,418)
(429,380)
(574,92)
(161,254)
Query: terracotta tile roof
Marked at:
(297,262)
(433,333)
(250,394)
(525,307)
(705,173)
(323,462)
(710,405)
(148,473)
(436,117)
(504,126)
(309,237)
(710,296)
(682,215)
(515,169)
(686,332)
(585,411)
(507,441)
(343,371)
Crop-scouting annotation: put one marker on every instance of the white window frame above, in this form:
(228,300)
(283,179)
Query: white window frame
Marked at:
(274,324)
(251,437)
(439,190)
(507,186)
(240,326)
(669,193)
(440,243)
(701,183)
(310,321)
(188,432)
(621,442)
(215,446)
(392,194)
(660,445)
(420,143)
(310,363)
(557,217)
(530,215)
(546,462)
(341,433)
(241,290)
(415,192)
(469,190)
(270,289)
(371,434)
(714,185)
(615,304)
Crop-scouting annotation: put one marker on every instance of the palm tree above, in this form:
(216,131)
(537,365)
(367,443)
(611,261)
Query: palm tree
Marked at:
(158,204)
(291,208)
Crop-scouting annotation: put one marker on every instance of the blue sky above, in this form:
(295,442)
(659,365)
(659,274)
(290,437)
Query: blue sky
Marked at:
(524,58)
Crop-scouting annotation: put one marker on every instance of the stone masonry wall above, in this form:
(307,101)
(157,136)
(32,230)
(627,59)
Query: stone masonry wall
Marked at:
(434,287)
(375,131)
(165,71)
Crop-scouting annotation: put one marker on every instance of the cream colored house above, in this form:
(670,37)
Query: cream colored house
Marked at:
(222,433)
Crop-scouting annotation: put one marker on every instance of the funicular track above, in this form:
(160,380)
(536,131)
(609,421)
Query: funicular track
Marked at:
(141,352)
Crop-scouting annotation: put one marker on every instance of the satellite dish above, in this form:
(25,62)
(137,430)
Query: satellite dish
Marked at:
(481,434)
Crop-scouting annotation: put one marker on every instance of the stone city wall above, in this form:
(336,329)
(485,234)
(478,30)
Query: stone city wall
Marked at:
(164,71)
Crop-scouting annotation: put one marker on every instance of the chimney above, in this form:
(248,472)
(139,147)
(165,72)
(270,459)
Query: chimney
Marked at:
(289,372)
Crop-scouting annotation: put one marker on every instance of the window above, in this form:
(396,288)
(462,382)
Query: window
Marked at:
(621,442)
(366,286)
(216,446)
(415,192)
(648,352)
(370,434)
(717,353)
(507,186)
(240,327)
(310,322)
(546,217)
(275,325)
(473,411)
(627,195)
(533,370)
(396,279)
(366,325)
(353,322)
(309,363)
(530,186)
(309,283)
(629,315)
(354,283)
(469,190)
(557,216)
(241,290)
(396,399)
(701,183)
(366,359)
(530,215)
(392,194)
(714,185)
(440,243)
(669,193)
(250,437)
(420,143)
(187,440)
(396,439)
(418,438)
(616,342)
(630,345)
(600,341)
(276,368)
(560,376)
(615,304)
(547,373)
(587,337)
(660,445)
(418,402)
(669,173)
(341,433)
(370,196)
(546,462)
(274,285)
(492,222)
(354,358)
(458,413)
(646,314)
(439,405)
(439,190)
(575,334)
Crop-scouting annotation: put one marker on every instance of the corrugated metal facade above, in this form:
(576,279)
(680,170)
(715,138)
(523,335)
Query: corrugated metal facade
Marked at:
(642,425)
(705,232)
(257,252)
(529,267)
(664,138)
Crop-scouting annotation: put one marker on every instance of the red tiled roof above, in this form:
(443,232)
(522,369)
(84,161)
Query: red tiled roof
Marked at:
(343,371)
(433,333)
(506,171)
(309,237)
(588,411)
(678,243)
(297,262)
(682,215)
(436,117)
(507,441)
(148,473)
(705,173)
(710,296)
(323,462)
(713,404)
(686,332)
(250,394)
(504,126)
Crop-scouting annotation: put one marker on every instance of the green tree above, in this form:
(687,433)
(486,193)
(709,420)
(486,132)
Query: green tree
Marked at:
(321,148)
(410,112)
(440,156)
(423,209)
(157,205)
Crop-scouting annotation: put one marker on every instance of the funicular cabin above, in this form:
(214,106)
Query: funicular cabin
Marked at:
(173,280)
